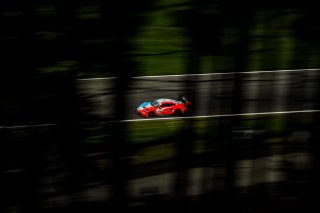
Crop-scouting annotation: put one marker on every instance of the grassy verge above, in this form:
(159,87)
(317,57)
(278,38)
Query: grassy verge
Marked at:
(154,143)
(144,132)
(158,137)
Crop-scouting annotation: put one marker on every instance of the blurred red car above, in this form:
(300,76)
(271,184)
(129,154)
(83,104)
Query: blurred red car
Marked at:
(163,107)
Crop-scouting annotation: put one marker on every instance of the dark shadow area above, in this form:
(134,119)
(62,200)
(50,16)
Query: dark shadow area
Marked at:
(73,73)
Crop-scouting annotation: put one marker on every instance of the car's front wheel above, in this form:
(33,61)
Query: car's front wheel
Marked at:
(151,114)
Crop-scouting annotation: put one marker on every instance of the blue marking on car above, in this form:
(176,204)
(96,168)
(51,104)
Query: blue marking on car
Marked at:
(144,104)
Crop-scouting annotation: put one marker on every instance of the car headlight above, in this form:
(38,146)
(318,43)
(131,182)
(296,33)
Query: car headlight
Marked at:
(145,110)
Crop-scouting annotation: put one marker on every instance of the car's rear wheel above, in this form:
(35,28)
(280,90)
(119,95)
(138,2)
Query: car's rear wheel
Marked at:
(177,112)
(151,114)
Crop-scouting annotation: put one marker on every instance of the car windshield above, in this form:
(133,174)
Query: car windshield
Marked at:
(155,104)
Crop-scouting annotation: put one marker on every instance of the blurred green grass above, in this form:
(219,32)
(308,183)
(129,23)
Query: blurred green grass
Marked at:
(153,145)
(156,141)
(148,131)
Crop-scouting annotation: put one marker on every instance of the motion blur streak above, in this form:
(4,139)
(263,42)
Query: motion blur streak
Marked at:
(225,115)
(226,73)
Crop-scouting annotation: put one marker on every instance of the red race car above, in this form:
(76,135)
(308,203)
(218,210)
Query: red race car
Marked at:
(163,107)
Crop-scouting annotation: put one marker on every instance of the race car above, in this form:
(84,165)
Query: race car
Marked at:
(163,107)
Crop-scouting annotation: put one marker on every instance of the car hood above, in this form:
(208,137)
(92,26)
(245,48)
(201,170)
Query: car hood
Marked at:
(144,105)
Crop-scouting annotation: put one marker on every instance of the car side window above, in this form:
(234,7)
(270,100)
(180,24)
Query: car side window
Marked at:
(164,105)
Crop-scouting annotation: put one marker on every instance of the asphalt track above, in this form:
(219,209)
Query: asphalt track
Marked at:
(262,91)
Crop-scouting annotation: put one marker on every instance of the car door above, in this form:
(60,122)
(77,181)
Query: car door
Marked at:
(164,109)
(171,107)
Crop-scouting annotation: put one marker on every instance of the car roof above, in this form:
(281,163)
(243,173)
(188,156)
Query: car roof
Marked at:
(161,100)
